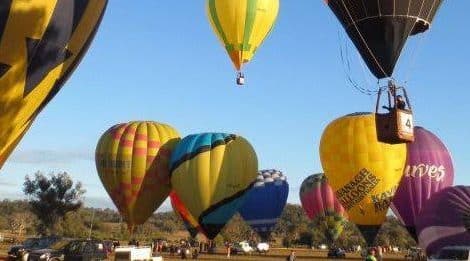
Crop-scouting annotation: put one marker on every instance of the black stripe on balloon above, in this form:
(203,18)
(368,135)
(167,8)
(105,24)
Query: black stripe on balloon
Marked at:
(66,75)
(50,51)
(4,69)
(4,14)
(5,7)
(78,11)
(211,230)
(202,149)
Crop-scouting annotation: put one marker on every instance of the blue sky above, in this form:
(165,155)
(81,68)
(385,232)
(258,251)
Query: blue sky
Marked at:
(159,60)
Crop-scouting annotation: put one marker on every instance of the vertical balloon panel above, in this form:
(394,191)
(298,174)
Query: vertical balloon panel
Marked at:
(363,172)
(190,223)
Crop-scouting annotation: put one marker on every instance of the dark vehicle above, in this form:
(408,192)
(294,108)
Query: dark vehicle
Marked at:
(76,250)
(336,253)
(16,252)
(21,252)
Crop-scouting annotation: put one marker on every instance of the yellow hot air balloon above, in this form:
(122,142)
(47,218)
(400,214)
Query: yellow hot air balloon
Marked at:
(242,26)
(41,43)
(211,174)
(132,160)
(363,172)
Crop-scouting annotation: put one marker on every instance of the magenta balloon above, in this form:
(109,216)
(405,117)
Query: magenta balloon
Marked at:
(445,220)
(428,170)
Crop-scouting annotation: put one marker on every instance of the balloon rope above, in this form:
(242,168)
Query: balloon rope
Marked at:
(347,67)
(363,39)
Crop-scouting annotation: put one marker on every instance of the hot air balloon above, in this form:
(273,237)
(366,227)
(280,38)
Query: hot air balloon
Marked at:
(190,223)
(379,29)
(428,170)
(321,205)
(242,26)
(363,172)
(211,173)
(132,160)
(41,44)
(445,219)
(265,202)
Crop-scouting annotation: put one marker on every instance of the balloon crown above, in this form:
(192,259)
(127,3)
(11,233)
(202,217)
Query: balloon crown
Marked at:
(270,176)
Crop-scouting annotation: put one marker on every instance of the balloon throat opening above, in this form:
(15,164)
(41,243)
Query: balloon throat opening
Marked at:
(369,232)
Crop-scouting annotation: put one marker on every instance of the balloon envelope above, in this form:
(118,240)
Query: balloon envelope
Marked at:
(321,205)
(379,29)
(428,170)
(41,44)
(242,25)
(363,172)
(445,219)
(189,222)
(211,173)
(132,160)
(265,202)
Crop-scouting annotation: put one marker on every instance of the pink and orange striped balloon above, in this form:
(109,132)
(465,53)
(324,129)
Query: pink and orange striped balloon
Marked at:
(132,162)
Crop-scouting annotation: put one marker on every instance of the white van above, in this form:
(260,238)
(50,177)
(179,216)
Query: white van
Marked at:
(452,253)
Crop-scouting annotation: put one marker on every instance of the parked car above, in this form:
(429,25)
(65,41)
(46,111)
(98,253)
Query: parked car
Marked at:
(79,250)
(241,248)
(21,252)
(336,253)
(262,247)
(452,253)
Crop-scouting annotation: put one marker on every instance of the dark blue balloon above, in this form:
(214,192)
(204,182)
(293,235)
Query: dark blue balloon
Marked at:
(265,202)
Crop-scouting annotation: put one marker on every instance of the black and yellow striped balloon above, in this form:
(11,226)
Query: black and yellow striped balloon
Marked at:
(41,43)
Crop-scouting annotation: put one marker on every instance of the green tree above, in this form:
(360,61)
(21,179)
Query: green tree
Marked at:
(51,198)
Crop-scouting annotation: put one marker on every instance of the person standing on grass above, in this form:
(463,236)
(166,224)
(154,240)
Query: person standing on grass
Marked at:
(379,253)
(371,255)
(228,246)
(291,257)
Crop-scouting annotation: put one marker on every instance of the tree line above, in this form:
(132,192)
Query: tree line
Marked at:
(54,206)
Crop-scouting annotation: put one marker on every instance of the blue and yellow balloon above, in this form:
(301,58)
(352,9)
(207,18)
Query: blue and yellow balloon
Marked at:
(211,174)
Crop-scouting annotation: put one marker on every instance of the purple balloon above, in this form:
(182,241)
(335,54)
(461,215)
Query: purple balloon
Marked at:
(428,170)
(445,220)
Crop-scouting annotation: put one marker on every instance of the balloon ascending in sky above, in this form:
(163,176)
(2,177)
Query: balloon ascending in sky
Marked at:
(242,25)
(189,222)
(265,202)
(428,170)
(41,43)
(379,29)
(211,174)
(132,160)
(445,220)
(321,205)
(363,172)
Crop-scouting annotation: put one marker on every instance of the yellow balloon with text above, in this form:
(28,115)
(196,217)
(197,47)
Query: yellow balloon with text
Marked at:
(363,172)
